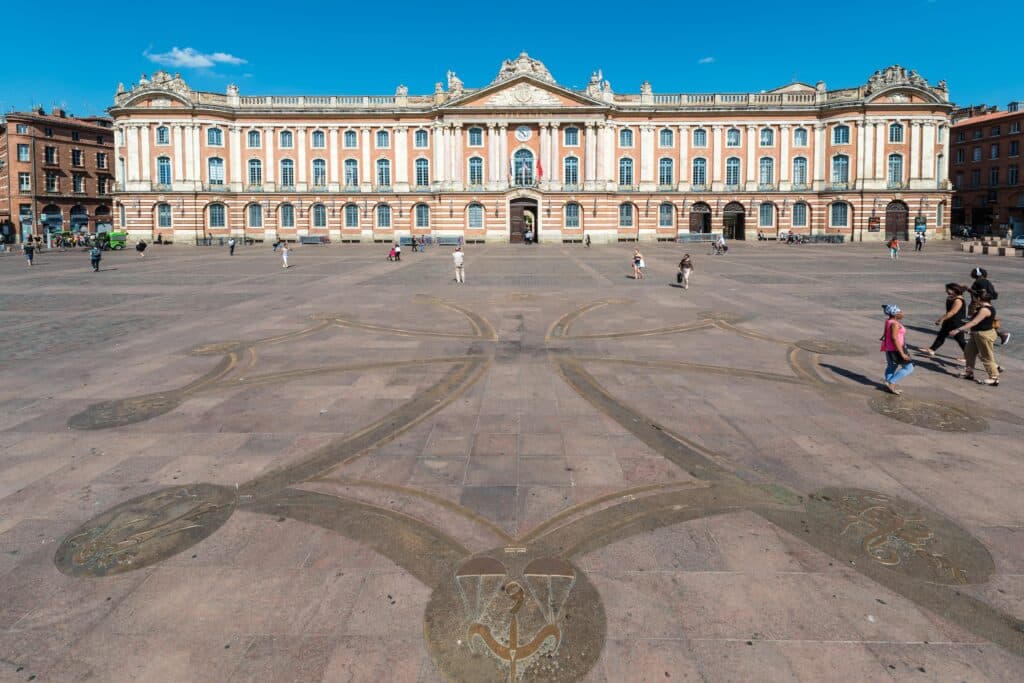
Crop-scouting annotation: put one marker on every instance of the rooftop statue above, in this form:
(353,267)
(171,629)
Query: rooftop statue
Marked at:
(523,65)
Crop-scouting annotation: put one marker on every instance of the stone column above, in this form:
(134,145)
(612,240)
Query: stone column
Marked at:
(590,157)
(237,174)
(332,160)
(861,153)
(271,169)
(401,147)
(198,165)
(819,156)
(368,173)
(439,153)
(456,165)
(144,156)
(544,138)
(684,162)
(555,173)
(751,173)
(869,153)
(504,171)
(880,137)
(928,151)
(178,153)
(785,163)
(300,165)
(915,151)
(647,179)
(132,145)
(714,163)
(492,156)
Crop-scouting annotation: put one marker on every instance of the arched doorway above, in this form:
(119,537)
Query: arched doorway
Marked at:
(896,221)
(79,219)
(104,223)
(52,218)
(733,221)
(522,214)
(700,218)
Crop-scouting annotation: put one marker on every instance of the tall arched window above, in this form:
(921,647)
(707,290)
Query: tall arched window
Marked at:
(700,172)
(383,173)
(163,135)
(840,214)
(319,173)
(571,171)
(896,133)
(255,214)
(286,139)
(351,173)
(666,170)
(254,140)
(215,137)
(666,138)
(666,215)
(625,172)
(732,171)
(383,216)
(766,171)
(422,212)
(476,171)
(217,215)
(895,170)
(766,215)
(255,172)
(351,139)
(163,170)
(319,213)
(799,215)
(422,173)
(476,215)
(287,173)
(286,213)
(522,167)
(163,215)
(215,168)
(572,215)
(572,136)
(319,140)
(351,216)
(799,171)
(700,138)
(840,168)
(626,215)
(626,137)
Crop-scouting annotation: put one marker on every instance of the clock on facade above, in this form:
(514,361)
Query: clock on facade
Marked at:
(523,133)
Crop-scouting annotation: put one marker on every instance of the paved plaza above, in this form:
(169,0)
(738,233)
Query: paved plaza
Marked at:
(216,469)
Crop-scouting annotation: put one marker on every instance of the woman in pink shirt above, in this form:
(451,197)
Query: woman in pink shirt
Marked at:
(897,362)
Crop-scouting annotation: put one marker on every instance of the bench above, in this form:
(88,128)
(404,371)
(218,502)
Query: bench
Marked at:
(688,237)
(449,241)
(314,239)
(407,241)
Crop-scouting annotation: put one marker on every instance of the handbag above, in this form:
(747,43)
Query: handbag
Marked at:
(679,278)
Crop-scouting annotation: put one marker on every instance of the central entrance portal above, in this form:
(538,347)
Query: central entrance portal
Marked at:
(522,215)
(732,221)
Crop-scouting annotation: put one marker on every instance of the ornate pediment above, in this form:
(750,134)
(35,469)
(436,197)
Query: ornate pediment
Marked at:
(523,92)
(896,77)
(523,65)
(163,85)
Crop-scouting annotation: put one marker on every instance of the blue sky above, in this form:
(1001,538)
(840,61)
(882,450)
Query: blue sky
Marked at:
(313,48)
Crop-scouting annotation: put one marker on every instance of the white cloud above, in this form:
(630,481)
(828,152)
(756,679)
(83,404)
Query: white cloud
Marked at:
(191,58)
(706,60)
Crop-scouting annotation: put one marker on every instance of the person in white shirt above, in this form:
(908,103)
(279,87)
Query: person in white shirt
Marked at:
(284,255)
(460,272)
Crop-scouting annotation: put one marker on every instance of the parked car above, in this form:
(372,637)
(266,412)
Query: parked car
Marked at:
(1018,242)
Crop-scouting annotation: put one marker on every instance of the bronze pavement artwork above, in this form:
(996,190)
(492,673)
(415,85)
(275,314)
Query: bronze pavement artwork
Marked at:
(524,610)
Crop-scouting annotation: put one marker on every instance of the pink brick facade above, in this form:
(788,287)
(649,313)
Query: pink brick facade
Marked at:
(615,166)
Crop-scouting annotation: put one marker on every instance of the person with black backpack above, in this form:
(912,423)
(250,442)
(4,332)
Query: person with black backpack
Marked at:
(95,254)
(983,284)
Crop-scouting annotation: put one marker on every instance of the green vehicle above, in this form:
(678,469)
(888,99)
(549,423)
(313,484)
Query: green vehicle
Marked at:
(117,240)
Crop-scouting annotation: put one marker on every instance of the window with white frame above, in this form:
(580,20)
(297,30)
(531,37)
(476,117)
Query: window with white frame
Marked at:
(255,216)
(800,137)
(700,137)
(215,137)
(319,212)
(840,215)
(163,135)
(285,139)
(23,152)
(799,170)
(700,172)
(163,170)
(383,139)
(255,172)
(253,139)
(733,137)
(767,137)
(666,215)
(78,183)
(351,173)
(420,139)
(571,136)
(318,139)
(319,173)
(383,216)
(1014,148)
(625,172)
(22,129)
(422,173)
(766,215)
(840,168)
(163,215)
(976,153)
(625,215)
(799,215)
(475,215)
(217,215)
(215,171)
(351,216)
(895,170)
(732,171)
(895,133)
(476,137)
(571,174)
(287,173)
(476,171)
(286,214)
(666,138)
(766,171)
(626,137)
(572,215)
(383,173)
(351,139)
(666,170)
(841,135)
(422,213)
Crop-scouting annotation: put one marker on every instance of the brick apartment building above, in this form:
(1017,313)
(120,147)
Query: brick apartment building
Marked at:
(985,167)
(56,174)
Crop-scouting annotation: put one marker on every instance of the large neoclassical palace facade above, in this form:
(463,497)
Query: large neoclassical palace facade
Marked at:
(525,153)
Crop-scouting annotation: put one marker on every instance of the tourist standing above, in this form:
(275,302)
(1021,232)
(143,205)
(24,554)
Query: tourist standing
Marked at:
(685,269)
(284,255)
(894,249)
(29,248)
(638,260)
(918,241)
(983,284)
(460,270)
(982,340)
(231,246)
(95,254)
(398,251)
(897,362)
(956,315)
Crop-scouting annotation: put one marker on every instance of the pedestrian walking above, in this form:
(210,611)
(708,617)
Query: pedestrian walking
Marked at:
(983,284)
(586,240)
(398,251)
(460,268)
(284,255)
(894,249)
(277,244)
(638,262)
(918,241)
(29,248)
(140,247)
(983,326)
(897,361)
(95,254)
(685,269)
(955,316)
(231,246)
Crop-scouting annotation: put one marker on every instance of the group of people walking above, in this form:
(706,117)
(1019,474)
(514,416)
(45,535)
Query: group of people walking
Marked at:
(974,326)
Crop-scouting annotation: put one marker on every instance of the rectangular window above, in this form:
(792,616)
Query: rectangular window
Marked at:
(48,132)
(383,139)
(1011,175)
(50,155)
(666,138)
(1014,148)
(1015,127)
(959,180)
(977,134)
(995,131)
(99,139)
(476,137)
(79,182)
(21,129)
(841,136)
(993,151)
(572,137)
(420,139)
(75,136)
(976,154)
(959,156)
(76,157)
(800,137)
(101,159)
(319,139)
(975,178)
(351,139)
(961,136)
(700,138)
(23,153)
(732,137)
(799,215)
(52,182)
(767,137)
(572,215)
(24,182)
(993,176)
